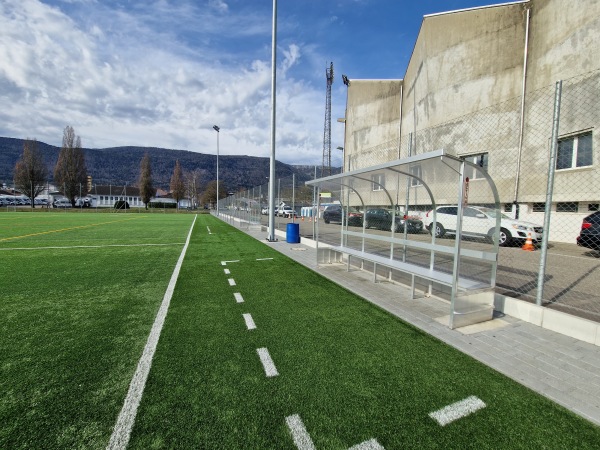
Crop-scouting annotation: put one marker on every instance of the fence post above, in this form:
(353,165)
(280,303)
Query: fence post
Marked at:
(549,189)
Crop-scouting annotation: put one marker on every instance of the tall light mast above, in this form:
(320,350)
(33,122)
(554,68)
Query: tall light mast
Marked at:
(326,166)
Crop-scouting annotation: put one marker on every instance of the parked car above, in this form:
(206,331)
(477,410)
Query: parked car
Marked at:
(589,236)
(333,213)
(479,221)
(286,211)
(381,219)
(62,203)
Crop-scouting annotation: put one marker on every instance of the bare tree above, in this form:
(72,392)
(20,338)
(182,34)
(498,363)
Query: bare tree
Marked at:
(210,193)
(177,183)
(70,172)
(192,181)
(147,190)
(31,173)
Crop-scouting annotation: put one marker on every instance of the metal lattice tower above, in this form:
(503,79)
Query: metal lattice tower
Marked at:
(326,166)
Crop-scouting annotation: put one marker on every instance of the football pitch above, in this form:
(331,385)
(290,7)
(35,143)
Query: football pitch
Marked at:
(99,348)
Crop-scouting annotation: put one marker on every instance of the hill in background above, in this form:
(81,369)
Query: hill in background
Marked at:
(121,165)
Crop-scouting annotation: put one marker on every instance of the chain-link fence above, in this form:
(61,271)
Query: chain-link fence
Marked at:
(540,185)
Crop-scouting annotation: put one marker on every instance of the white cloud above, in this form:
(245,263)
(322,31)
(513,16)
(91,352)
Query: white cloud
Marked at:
(123,78)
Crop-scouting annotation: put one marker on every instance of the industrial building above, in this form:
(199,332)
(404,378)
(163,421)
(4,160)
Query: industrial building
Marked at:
(483,84)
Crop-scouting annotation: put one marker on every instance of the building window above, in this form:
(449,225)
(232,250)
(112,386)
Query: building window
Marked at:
(574,151)
(539,207)
(567,206)
(592,207)
(480,160)
(416,171)
(378,181)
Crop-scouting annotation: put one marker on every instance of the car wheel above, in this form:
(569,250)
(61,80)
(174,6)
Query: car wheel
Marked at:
(439,230)
(504,237)
(326,220)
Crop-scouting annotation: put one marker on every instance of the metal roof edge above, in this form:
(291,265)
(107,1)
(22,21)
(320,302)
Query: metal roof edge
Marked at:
(411,159)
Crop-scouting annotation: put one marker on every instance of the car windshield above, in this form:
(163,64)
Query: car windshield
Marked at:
(492,213)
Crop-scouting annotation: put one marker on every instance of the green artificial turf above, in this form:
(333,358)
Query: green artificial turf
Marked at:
(78,298)
(80,293)
(350,370)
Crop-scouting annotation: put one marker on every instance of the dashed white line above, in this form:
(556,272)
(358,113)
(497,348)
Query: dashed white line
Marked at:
(299,434)
(264,259)
(457,410)
(209,232)
(227,272)
(249,322)
(231,281)
(238,297)
(267,362)
(122,430)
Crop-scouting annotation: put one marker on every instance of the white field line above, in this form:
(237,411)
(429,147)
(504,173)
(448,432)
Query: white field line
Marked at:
(371,444)
(264,259)
(457,410)
(249,321)
(227,272)
(238,297)
(209,232)
(231,281)
(126,419)
(299,434)
(91,246)
(267,362)
(224,263)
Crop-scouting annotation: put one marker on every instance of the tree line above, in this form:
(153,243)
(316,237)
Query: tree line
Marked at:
(70,174)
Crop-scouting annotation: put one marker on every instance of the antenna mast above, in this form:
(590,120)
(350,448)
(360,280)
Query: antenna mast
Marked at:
(326,166)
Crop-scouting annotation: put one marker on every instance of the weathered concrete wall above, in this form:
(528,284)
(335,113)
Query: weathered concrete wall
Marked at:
(372,121)
(564,40)
(463,62)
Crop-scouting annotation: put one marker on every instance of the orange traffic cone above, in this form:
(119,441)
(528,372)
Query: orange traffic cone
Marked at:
(528,244)
(302,218)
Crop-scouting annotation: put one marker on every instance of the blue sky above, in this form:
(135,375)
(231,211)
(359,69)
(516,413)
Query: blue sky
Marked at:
(161,73)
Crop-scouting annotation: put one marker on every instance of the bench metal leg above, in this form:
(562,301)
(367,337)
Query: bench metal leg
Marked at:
(412,286)
(374,272)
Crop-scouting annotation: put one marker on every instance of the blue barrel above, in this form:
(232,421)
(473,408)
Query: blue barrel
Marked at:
(292,235)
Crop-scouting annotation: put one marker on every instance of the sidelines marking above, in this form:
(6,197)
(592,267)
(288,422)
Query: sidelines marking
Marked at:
(209,232)
(91,246)
(264,259)
(304,442)
(122,430)
(457,410)
(238,297)
(227,272)
(231,281)
(224,263)
(66,229)
(371,444)
(299,434)
(267,362)
(249,322)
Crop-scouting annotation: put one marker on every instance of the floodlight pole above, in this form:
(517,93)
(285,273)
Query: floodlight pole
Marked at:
(271,236)
(217,129)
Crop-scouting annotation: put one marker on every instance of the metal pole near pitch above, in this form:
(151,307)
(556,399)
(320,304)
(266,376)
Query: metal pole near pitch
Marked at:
(271,236)
(549,188)
(217,129)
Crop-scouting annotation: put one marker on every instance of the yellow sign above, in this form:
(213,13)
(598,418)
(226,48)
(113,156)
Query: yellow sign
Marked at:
(325,194)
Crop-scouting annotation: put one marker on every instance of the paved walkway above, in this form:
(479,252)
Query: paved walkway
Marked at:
(559,367)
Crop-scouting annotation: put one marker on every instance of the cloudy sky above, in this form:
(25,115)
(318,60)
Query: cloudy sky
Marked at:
(161,73)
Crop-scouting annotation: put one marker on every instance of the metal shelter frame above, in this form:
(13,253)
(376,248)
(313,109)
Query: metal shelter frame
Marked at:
(439,176)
